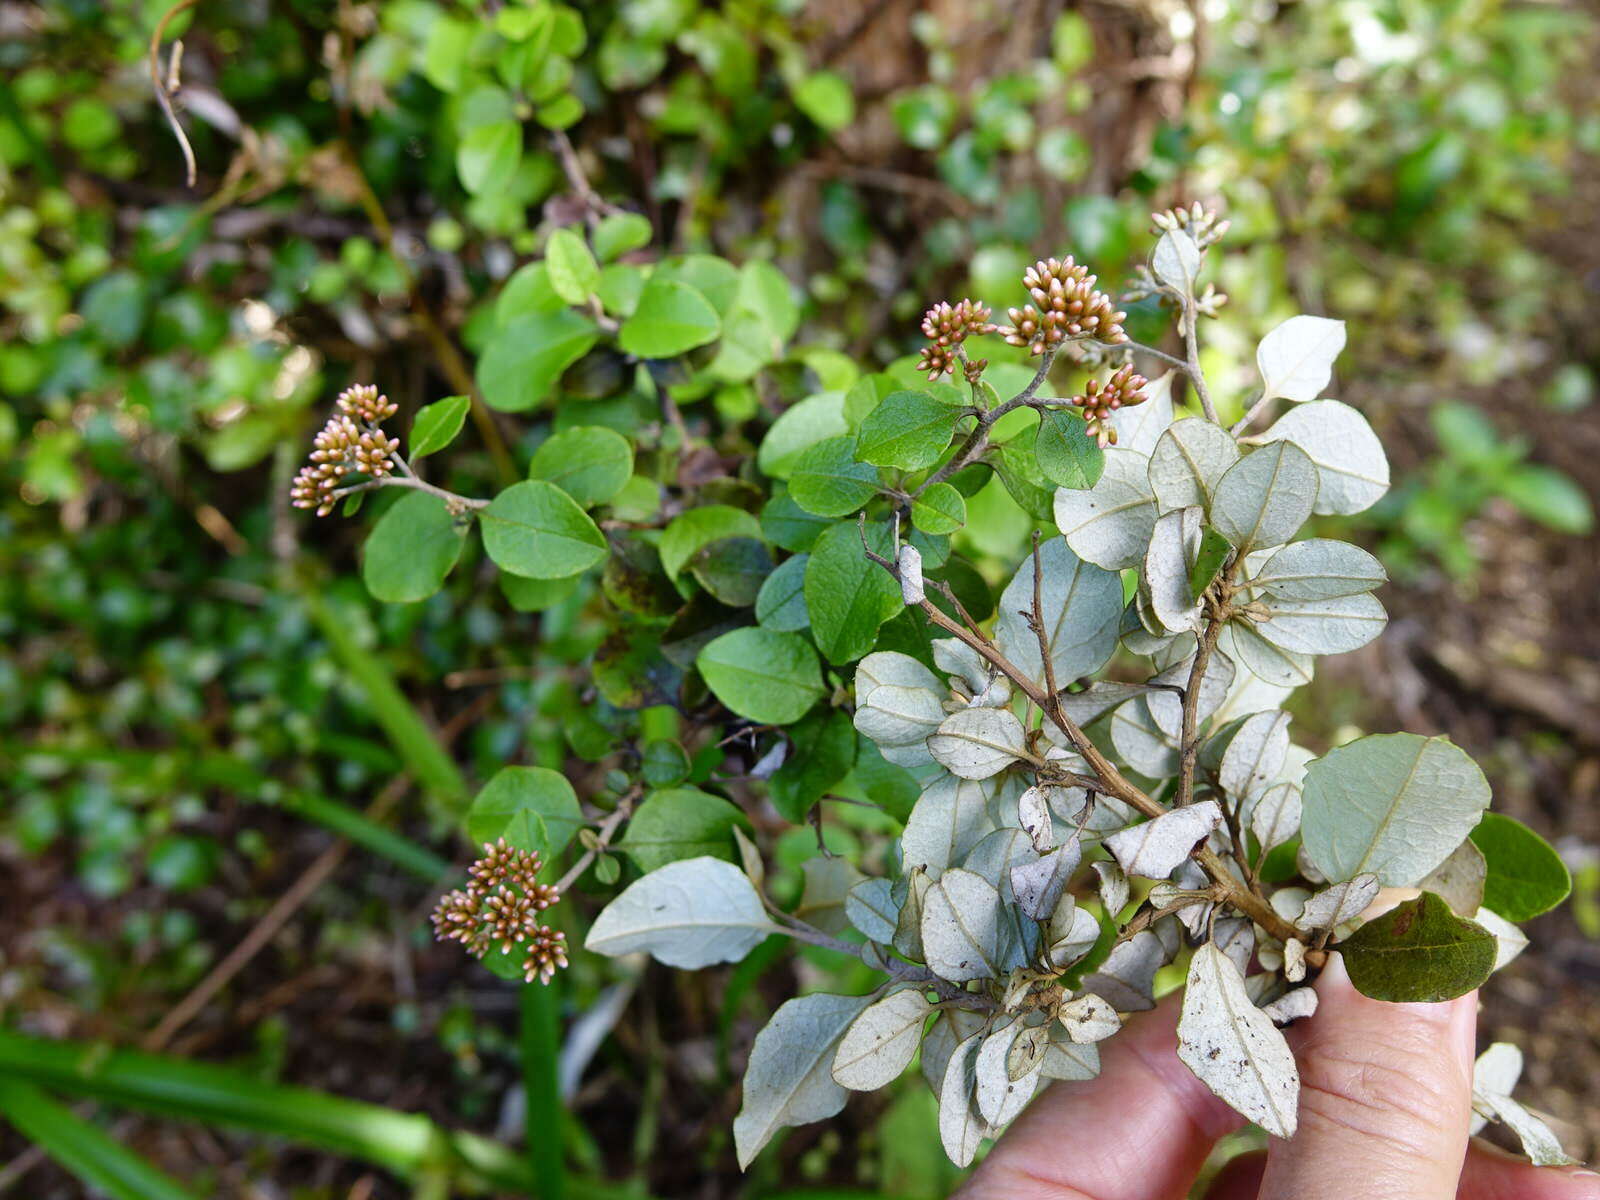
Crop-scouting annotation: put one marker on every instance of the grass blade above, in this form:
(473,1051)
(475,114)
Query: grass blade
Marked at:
(434,770)
(84,1150)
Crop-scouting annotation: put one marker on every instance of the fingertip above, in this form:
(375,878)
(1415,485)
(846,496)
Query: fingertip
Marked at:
(1494,1174)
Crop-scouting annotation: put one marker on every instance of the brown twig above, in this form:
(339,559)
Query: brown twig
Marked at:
(163,94)
(978,440)
(1111,781)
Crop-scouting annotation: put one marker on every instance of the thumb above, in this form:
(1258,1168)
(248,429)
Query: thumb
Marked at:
(1385,1098)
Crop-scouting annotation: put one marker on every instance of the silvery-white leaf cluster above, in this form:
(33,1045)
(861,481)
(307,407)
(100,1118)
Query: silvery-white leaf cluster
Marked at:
(1026,910)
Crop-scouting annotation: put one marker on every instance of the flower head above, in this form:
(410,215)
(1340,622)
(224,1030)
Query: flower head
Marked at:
(1099,401)
(1066,305)
(500,907)
(946,326)
(349,444)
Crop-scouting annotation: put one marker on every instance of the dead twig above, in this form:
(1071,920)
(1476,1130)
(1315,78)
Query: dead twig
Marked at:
(166,88)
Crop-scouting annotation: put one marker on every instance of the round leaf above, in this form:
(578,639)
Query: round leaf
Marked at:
(588,462)
(536,529)
(768,677)
(411,549)
(671,318)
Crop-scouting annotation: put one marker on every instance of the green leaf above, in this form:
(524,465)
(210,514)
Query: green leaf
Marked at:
(908,429)
(1526,876)
(671,318)
(1067,455)
(437,425)
(488,157)
(97,1160)
(536,595)
(1420,951)
(789,526)
(781,603)
(664,763)
(827,479)
(620,233)
(527,806)
(732,569)
(940,509)
(847,595)
(822,752)
(536,529)
(1214,551)
(1550,498)
(573,272)
(825,97)
(1395,804)
(412,548)
(1019,471)
(693,529)
(680,823)
(767,677)
(444,58)
(525,358)
(589,462)
(798,428)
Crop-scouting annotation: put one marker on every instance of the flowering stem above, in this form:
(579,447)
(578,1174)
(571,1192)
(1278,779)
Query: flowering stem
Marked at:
(415,484)
(540,1038)
(978,440)
(1191,343)
(1169,359)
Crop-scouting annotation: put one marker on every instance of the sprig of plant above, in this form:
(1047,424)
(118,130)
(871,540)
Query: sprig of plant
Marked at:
(1070,835)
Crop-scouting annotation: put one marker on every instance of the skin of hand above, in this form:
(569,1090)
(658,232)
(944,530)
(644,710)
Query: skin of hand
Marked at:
(1385,1101)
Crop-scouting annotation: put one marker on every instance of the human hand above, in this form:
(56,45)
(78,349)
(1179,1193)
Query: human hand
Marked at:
(1385,1102)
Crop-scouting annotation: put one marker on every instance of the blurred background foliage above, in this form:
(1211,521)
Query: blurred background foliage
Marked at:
(197,698)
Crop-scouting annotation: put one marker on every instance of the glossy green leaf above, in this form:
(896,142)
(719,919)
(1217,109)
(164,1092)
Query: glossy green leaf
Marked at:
(768,677)
(574,274)
(781,603)
(589,462)
(847,595)
(412,549)
(826,98)
(822,751)
(696,527)
(1067,455)
(1526,876)
(489,156)
(670,319)
(619,234)
(940,509)
(679,823)
(437,425)
(908,429)
(524,359)
(829,481)
(1419,951)
(536,529)
(533,808)
(732,569)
